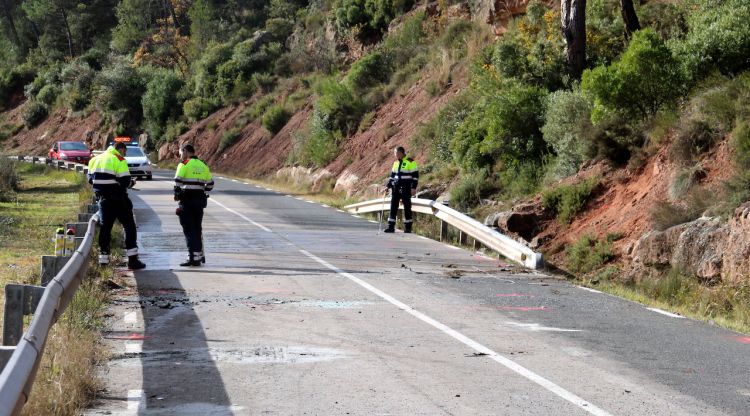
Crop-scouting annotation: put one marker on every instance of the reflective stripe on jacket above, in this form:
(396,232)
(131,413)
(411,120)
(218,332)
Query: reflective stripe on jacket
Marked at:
(108,173)
(405,173)
(193,177)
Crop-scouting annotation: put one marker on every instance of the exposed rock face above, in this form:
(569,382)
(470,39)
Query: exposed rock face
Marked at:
(707,247)
(524,220)
(497,13)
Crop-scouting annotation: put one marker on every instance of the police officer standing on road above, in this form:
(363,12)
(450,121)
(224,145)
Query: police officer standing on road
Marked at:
(110,178)
(191,182)
(403,185)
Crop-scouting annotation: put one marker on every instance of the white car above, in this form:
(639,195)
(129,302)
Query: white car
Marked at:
(138,163)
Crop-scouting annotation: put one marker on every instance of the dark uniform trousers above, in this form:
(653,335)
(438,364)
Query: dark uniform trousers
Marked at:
(191,219)
(403,194)
(120,208)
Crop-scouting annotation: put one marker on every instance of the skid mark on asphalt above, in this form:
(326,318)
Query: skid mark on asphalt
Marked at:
(265,354)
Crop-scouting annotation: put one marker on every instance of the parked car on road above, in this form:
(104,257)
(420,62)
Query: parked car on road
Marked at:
(76,152)
(138,163)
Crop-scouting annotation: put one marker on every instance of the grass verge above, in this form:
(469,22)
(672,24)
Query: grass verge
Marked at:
(43,200)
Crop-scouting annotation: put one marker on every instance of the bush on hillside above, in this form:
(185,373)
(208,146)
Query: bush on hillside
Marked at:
(337,107)
(119,87)
(370,16)
(568,131)
(719,38)
(161,102)
(566,201)
(34,113)
(645,78)
(198,108)
(605,31)
(370,70)
(669,20)
(229,138)
(315,145)
(532,50)
(275,118)
(504,125)
(471,189)
(48,94)
(588,254)
(12,82)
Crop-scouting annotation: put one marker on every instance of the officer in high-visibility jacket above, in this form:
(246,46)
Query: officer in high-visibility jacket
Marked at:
(110,178)
(191,182)
(403,185)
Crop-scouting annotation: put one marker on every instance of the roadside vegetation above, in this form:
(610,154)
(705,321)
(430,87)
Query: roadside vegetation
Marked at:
(37,202)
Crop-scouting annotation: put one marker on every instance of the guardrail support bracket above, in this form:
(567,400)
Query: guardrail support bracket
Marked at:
(20,300)
(443,231)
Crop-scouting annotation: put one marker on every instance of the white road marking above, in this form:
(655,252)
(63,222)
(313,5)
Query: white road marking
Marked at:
(356,216)
(423,237)
(136,400)
(235,180)
(245,183)
(588,289)
(374,222)
(324,205)
(221,177)
(670,314)
(453,247)
(310,202)
(533,327)
(341,210)
(506,362)
(130,317)
(133,347)
(261,226)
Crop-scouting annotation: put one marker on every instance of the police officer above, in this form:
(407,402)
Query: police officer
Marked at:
(110,178)
(403,185)
(191,182)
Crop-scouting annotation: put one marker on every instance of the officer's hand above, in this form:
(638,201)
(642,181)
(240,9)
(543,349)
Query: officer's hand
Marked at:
(413,192)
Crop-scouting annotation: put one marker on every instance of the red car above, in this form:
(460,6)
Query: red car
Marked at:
(76,152)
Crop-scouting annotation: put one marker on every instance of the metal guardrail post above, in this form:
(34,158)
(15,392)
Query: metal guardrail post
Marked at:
(51,266)
(92,208)
(443,231)
(85,217)
(13,316)
(5,353)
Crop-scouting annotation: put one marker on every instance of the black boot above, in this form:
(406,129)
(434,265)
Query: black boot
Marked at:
(191,262)
(407,227)
(135,264)
(391,228)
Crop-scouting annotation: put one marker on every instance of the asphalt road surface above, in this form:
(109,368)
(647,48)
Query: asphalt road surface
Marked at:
(305,310)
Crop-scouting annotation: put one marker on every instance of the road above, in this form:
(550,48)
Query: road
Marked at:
(305,310)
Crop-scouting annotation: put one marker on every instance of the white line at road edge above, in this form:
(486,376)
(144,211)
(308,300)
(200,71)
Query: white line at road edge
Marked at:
(670,314)
(508,363)
(261,226)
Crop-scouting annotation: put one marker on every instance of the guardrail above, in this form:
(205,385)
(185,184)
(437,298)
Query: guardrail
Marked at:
(19,362)
(59,164)
(494,240)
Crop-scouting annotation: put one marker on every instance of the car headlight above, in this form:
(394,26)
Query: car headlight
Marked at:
(145,163)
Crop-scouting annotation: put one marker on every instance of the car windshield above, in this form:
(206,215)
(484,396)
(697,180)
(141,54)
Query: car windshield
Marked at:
(73,146)
(134,152)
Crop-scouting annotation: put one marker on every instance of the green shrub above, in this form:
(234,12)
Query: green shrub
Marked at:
(161,102)
(275,118)
(258,108)
(568,131)
(471,189)
(198,108)
(205,70)
(588,254)
(34,113)
(503,124)
(568,200)
(533,50)
(438,133)
(174,130)
(645,78)
(605,30)
(12,82)
(48,94)
(337,108)
(370,70)
(718,37)
(263,82)
(316,145)
(229,138)
(371,16)
(120,87)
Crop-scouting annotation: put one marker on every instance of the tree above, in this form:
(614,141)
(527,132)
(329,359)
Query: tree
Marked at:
(629,17)
(573,17)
